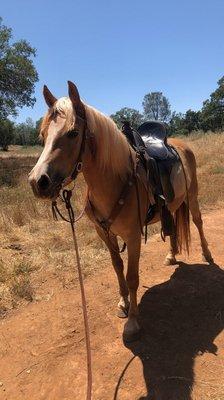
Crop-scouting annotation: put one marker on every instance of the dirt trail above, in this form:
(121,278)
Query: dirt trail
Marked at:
(181,352)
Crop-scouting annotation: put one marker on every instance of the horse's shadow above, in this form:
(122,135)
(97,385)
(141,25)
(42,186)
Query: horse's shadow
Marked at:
(180,319)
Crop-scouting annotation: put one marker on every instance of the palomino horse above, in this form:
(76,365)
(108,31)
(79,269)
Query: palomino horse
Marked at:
(72,132)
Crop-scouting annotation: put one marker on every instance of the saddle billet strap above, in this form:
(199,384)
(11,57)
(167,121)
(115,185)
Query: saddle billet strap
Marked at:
(106,223)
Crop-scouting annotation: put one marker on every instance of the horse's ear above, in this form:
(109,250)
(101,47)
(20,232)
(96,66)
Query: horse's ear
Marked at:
(75,99)
(49,98)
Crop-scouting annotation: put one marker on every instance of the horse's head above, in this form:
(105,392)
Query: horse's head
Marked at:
(62,131)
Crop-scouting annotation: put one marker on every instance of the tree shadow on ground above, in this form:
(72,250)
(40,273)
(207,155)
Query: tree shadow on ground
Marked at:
(180,319)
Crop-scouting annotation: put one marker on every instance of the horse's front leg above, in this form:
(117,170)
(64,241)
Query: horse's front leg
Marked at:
(132,328)
(112,244)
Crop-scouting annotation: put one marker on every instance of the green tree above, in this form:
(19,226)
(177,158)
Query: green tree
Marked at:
(6,134)
(128,114)
(183,124)
(156,107)
(177,125)
(213,109)
(17,73)
(26,133)
(192,120)
(38,124)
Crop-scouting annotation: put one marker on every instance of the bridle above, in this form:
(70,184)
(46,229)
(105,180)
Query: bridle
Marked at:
(79,162)
(77,168)
(81,120)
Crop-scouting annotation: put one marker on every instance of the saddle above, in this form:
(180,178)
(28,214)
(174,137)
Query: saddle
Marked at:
(154,136)
(158,158)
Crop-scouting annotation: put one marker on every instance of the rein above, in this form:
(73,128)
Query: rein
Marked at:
(56,211)
(66,195)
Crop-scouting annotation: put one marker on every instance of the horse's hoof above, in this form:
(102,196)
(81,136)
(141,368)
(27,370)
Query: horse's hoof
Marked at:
(132,330)
(207,258)
(122,312)
(131,337)
(170,261)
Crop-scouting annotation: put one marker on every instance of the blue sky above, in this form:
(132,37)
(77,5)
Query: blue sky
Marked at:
(117,51)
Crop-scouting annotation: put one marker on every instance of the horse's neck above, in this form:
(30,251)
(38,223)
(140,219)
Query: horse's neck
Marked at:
(104,187)
(103,184)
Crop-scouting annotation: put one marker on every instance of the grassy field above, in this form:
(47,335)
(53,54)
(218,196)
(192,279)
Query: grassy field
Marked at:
(33,246)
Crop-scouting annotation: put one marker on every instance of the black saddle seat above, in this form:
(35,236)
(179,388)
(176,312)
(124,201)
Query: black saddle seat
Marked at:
(153,129)
(154,136)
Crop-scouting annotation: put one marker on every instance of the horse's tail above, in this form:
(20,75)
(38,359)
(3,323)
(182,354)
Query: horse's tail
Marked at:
(182,226)
(182,219)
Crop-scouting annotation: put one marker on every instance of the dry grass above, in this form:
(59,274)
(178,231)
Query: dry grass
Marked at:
(29,251)
(32,245)
(208,149)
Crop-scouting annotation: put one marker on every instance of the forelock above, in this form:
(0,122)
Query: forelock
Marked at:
(65,109)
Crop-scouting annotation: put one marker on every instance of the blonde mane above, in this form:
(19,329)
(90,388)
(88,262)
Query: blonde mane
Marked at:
(113,150)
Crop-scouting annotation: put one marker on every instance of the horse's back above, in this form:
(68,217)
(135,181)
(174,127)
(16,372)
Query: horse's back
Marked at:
(189,163)
(182,146)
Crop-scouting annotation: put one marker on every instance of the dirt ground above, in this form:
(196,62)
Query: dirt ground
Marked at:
(181,351)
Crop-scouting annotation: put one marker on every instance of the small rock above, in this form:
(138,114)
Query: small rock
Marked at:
(28,371)
(1,384)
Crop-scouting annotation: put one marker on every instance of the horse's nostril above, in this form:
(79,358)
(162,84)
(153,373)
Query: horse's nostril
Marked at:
(44,182)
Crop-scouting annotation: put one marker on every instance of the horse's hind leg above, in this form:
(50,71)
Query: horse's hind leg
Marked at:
(171,256)
(112,244)
(196,216)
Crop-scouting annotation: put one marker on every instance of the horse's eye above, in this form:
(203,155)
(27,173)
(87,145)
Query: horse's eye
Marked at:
(72,134)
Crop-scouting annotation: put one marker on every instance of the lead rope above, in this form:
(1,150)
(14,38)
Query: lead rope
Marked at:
(66,195)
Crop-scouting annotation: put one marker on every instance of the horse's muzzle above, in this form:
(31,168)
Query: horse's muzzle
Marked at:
(43,187)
